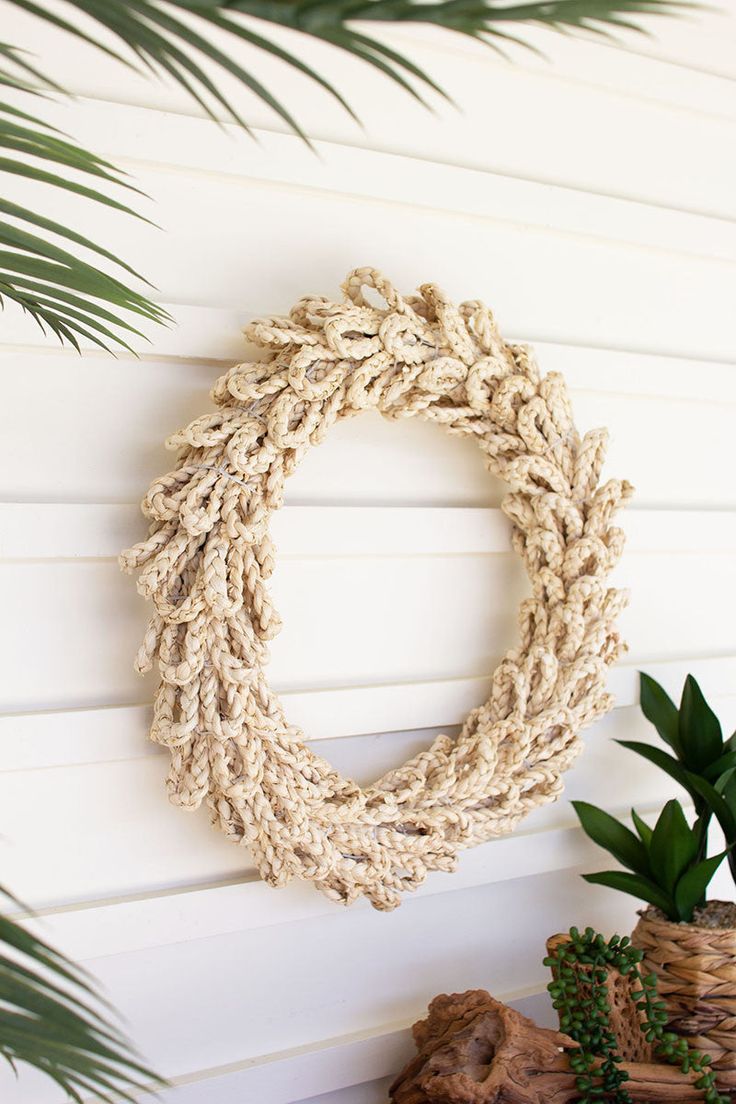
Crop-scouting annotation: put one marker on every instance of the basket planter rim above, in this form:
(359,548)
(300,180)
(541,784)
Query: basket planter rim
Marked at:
(652,915)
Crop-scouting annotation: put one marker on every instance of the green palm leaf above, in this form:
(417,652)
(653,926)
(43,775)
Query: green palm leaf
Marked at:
(164,41)
(51,1018)
(486,20)
(23,254)
(169,37)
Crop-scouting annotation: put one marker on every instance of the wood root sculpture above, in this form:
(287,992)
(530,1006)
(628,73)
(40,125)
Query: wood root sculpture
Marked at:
(474,1050)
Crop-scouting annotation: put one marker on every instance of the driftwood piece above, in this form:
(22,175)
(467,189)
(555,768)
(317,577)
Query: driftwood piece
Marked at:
(474,1050)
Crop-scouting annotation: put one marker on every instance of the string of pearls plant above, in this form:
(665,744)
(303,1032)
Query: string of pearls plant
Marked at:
(585,1018)
(209,555)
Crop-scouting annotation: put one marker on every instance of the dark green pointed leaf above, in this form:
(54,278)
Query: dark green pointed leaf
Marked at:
(30,172)
(215,17)
(728,792)
(723,766)
(690,890)
(636,886)
(664,761)
(701,738)
(674,847)
(719,806)
(660,710)
(615,837)
(645,832)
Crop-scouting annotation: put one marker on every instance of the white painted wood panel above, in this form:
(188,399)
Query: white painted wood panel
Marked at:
(350,622)
(287,985)
(138,137)
(702,45)
(76,736)
(67,531)
(347,621)
(336,1061)
(589,198)
(104,829)
(534,115)
(605,298)
(370,1092)
(108,445)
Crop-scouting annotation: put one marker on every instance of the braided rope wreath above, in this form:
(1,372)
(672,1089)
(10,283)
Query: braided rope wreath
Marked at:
(209,555)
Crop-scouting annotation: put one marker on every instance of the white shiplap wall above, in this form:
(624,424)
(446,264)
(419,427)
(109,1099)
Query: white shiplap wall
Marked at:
(590,199)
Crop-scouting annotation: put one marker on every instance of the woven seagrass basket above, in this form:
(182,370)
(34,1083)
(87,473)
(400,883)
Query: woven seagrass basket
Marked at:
(696,976)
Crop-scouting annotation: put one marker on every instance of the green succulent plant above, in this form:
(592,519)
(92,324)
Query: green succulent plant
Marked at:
(667,865)
(703,763)
(663,864)
(579,991)
(75,287)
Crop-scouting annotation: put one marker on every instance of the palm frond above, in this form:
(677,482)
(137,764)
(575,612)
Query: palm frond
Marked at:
(74,297)
(334,21)
(165,37)
(30,149)
(51,1017)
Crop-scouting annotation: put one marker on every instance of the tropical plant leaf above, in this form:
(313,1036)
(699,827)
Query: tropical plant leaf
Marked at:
(645,832)
(487,20)
(636,886)
(660,710)
(690,889)
(673,848)
(719,806)
(167,37)
(51,1018)
(724,765)
(615,837)
(170,38)
(723,806)
(35,272)
(727,789)
(700,733)
(666,762)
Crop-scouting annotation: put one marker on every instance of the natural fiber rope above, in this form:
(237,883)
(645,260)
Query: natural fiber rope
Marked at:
(209,555)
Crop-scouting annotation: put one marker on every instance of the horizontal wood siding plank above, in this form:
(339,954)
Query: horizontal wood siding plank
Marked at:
(108,446)
(376,609)
(368,1092)
(348,1065)
(213,335)
(634,128)
(141,136)
(51,531)
(613,294)
(231,998)
(82,832)
(53,739)
(100,929)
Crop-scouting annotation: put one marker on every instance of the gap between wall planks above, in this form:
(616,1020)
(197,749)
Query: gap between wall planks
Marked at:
(60,531)
(53,738)
(96,929)
(139,136)
(596,91)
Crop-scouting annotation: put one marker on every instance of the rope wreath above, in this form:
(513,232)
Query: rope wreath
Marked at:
(209,555)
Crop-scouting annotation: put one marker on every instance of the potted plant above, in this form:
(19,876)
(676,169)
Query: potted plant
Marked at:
(689,943)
